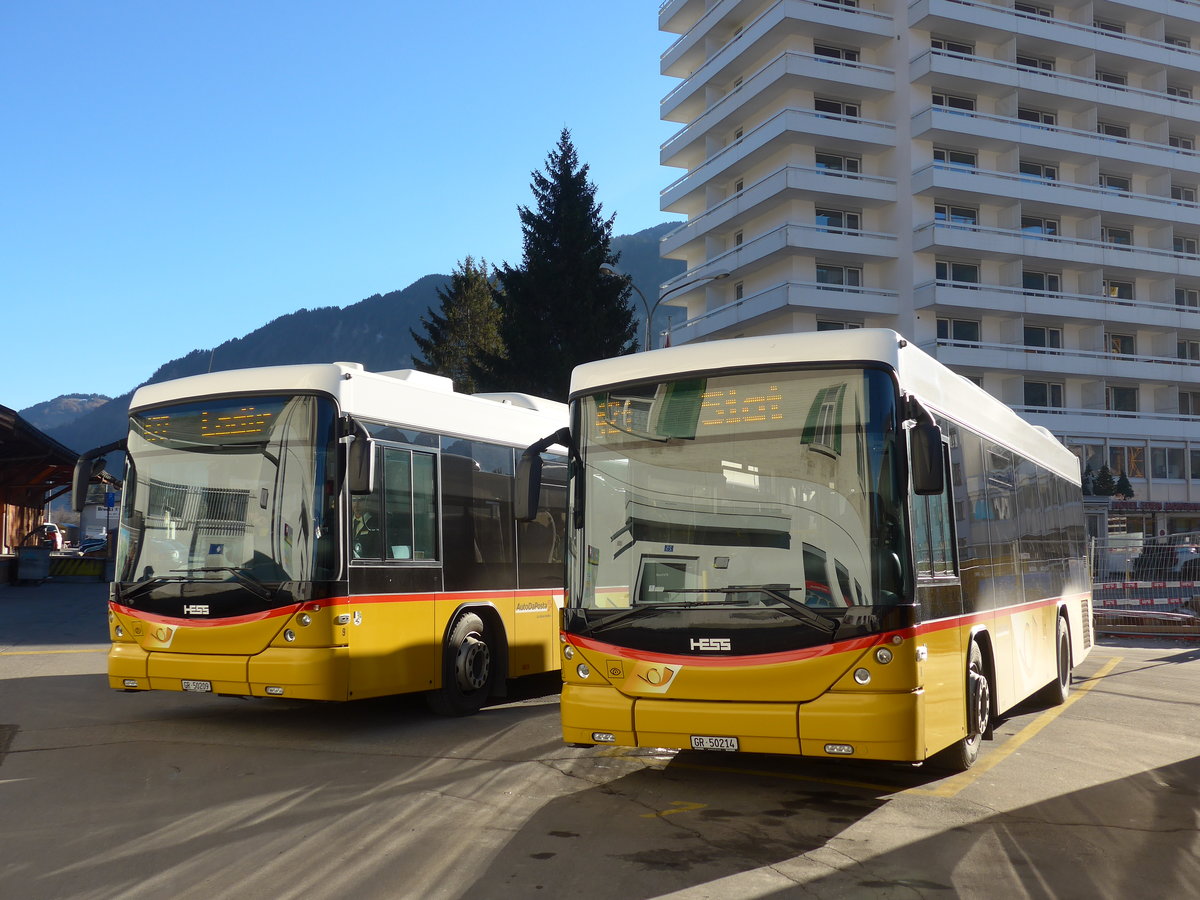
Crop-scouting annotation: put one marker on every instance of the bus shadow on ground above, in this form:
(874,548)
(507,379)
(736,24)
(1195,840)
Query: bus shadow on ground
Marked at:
(774,829)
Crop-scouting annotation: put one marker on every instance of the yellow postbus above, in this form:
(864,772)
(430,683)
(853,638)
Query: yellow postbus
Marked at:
(820,544)
(324,532)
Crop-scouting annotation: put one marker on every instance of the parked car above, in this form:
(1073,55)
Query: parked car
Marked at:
(49,535)
(1167,562)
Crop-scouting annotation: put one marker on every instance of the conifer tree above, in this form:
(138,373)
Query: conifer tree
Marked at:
(1123,490)
(466,332)
(559,309)
(1105,484)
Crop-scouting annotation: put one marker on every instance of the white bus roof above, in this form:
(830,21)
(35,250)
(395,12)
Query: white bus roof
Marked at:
(404,397)
(939,389)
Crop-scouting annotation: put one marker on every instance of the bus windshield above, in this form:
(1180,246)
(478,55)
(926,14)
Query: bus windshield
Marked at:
(237,490)
(768,498)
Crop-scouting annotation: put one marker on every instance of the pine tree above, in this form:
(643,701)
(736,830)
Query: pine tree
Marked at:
(559,309)
(466,332)
(1105,484)
(1123,490)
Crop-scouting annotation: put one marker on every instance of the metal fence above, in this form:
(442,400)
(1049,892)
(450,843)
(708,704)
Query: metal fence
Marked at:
(1147,584)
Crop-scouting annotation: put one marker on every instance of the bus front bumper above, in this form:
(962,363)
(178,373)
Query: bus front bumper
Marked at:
(297,672)
(856,725)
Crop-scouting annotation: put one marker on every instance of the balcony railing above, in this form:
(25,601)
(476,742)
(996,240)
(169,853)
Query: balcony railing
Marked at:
(807,170)
(1058,76)
(1101,299)
(1057,239)
(1064,353)
(1058,129)
(1097,190)
(1081,28)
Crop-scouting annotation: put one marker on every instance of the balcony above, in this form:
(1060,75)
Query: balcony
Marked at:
(836,300)
(827,186)
(785,128)
(957,296)
(939,123)
(1060,362)
(985,75)
(1103,423)
(828,20)
(949,180)
(997,22)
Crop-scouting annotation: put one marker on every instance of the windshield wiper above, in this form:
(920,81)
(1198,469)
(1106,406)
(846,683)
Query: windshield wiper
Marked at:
(645,608)
(242,576)
(146,586)
(792,607)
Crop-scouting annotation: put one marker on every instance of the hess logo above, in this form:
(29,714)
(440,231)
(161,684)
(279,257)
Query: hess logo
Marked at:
(196,609)
(710,644)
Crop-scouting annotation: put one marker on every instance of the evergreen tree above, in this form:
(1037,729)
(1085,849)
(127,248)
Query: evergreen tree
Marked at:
(559,309)
(1123,490)
(1105,484)
(466,332)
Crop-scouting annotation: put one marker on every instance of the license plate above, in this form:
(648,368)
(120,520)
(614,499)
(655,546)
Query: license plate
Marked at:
(707,742)
(198,687)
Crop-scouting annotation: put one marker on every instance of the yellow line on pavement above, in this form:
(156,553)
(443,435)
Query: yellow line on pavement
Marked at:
(956,783)
(49,652)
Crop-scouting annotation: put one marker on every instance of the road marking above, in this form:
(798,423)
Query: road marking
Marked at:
(49,652)
(957,783)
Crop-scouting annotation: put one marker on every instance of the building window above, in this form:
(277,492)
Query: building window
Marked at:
(1113,129)
(739,134)
(1037,226)
(1118,290)
(1113,78)
(956,330)
(1044,394)
(739,290)
(1185,245)
(1035,62)
(1130,460)
(1121,399)
(1037,116)
(1120,183)
(1180,92)
(1043,336)
(837,326)
(1166,462)
(954,157)
(1183,194)
(952,46)
(844,276)
(1182,142)
(835,108)
(955,215)
(1120,236)
(738,186)
(1189,297)
(952,101)
(1189,405)
(1109,25)
(1188,350)
(1028,9)
(838,220)
(1038,170)
(1041,283)
(840,53)
(738,236)
(835,164)
(1176,41)
(1121,344)
(962,273)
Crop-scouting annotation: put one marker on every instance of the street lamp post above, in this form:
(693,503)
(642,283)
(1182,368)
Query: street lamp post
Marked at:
(652,307)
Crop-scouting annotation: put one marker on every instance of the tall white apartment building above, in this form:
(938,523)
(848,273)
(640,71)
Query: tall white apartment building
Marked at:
(1011,185)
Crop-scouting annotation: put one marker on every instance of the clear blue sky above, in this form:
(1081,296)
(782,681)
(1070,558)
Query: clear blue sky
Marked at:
(180,172)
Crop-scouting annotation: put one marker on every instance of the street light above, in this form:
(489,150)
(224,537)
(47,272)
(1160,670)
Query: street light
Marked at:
(652,307)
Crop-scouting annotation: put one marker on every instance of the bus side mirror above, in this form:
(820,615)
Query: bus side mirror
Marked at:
(925,456)
(528,487)
(85,468)
(360,461)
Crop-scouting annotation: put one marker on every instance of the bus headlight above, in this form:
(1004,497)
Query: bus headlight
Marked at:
(569,652)
(304,619)
(582,670)
(120,632)
(862,676)
(289,635)
(883,656)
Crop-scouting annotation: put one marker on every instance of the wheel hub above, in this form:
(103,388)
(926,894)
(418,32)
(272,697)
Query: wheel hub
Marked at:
(472,663)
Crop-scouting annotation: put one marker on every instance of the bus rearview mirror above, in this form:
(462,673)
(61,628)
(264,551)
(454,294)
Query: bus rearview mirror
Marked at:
(925,456)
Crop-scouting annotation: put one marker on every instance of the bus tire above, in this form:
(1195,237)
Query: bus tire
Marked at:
(468,669)
(961,755)
(1055,693)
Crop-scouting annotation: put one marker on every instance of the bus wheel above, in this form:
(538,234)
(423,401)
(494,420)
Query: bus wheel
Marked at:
(1055,693)
(466,669)
(961,755)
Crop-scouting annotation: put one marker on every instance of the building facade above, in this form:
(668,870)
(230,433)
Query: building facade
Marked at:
(1013,186)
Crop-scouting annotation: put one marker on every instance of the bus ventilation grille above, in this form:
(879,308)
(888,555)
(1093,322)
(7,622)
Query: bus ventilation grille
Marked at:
(1086,618)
